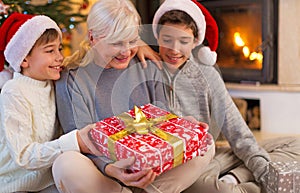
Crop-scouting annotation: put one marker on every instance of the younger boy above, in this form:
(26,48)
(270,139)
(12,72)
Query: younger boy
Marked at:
(28,131)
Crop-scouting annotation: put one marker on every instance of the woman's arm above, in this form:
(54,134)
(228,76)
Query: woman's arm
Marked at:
(73,112)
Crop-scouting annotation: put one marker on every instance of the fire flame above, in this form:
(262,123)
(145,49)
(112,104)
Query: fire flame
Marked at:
(238,39)
(246,51)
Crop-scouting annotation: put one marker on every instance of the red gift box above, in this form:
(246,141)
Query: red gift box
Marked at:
(155,137)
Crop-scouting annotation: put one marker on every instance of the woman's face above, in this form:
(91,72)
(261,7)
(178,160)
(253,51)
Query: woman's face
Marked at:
(115,54)
(176,42)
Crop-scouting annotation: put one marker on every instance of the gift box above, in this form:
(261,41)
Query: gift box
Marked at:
(297,179)
(155,137)
(284,177)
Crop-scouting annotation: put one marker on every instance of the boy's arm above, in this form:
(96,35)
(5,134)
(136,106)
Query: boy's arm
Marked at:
(228,119)
(23,148)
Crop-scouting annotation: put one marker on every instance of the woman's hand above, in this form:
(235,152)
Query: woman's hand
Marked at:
(145,51)
(140,179)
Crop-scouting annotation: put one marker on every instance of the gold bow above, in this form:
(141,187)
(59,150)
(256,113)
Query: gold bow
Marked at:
(142,125)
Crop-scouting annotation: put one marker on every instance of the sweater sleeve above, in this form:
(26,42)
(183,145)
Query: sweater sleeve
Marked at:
(227,118)
(157,86)
(73,112)
(25,149)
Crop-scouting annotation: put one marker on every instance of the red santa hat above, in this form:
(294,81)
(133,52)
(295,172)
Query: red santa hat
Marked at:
(18,33)
(206,24)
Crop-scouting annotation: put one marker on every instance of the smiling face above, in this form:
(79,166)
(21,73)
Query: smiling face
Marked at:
(44,61)
(114,28)
(115,54)
(176,42)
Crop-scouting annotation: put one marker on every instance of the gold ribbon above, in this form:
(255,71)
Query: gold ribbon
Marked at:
(142,125)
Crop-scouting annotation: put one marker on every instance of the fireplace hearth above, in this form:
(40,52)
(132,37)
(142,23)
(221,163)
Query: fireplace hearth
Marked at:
(248,31)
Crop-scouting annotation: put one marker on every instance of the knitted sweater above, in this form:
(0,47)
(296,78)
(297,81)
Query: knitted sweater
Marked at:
(88,94)
(28,124)
(198,90)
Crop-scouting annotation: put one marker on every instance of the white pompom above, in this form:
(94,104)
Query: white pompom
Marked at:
(5,75)
(206,56)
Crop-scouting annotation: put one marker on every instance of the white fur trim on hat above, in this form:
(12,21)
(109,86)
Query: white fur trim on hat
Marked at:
(206,56)
(24,39)
(187,6)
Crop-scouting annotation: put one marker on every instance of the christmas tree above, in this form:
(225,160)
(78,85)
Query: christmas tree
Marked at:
(67,13)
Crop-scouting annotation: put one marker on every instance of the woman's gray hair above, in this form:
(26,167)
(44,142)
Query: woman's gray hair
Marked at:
(113,21)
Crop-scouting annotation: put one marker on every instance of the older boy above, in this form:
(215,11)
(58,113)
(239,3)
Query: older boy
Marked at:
(197,89)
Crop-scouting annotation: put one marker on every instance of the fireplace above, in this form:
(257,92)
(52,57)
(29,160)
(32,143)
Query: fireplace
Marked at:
(247,51)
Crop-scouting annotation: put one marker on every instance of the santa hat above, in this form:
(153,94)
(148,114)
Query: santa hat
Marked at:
(18,33)
(206,24)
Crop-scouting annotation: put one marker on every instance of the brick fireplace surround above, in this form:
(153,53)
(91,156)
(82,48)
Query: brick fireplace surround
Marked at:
(280,103)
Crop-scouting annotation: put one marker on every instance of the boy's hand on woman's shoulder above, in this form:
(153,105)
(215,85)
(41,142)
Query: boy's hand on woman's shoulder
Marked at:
(145,51)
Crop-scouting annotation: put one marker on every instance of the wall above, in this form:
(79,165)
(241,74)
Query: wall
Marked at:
(289,42)
(279,108)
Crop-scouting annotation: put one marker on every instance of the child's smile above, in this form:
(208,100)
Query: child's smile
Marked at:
(44,61)
(176,42)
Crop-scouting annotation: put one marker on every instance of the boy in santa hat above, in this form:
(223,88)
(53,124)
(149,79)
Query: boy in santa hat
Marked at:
(197,89)
(29,130)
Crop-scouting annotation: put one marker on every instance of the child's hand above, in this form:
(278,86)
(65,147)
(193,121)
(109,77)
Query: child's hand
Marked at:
(83,140)
(192,119)
(209,141)
(145,51)
(140,179)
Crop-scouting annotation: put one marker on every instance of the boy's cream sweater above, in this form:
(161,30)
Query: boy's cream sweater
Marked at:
(28,124)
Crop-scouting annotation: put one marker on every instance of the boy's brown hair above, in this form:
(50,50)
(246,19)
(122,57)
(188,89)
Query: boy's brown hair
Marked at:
(178,17)
(48,36)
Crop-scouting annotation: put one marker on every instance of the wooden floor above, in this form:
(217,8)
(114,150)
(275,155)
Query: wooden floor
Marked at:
(259,135)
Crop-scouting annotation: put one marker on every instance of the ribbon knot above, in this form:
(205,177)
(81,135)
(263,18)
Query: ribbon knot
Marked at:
(141,125)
